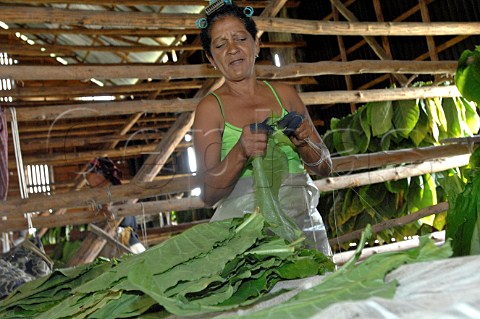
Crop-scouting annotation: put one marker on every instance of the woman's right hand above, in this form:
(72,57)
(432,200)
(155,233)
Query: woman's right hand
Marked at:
(253,141)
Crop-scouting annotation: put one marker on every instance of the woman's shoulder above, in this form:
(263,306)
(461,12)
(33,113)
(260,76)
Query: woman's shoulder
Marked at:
(284,90)
(287,94)
(208,110)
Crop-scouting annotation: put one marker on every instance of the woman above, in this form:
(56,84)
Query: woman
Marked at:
(223,138)
(102,172)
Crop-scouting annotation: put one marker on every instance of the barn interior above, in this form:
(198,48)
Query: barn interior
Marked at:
(121,79)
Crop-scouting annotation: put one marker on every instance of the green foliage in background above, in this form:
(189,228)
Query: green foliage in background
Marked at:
(382,126)
(467,77)
(463,219)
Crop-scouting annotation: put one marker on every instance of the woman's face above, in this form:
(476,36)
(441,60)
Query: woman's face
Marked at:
(233,48)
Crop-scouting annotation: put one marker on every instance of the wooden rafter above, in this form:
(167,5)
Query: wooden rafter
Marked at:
(21,14)
(186,105)
(162,72)
(254,4)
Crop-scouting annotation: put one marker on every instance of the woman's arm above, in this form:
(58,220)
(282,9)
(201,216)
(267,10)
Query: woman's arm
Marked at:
(220,176)
(306,138)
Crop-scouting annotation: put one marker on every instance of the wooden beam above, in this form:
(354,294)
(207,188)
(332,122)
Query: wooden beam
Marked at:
(422,57)
(91,214)
(377,48)
(91,90)
(343,54)
(102,233)
(96,196)
(435,209)
(154,33)
(87,156)
(254,4)
(413,155)
(391,174)
(405,15)
(46,145)
(24,14)
(184,105)
(169,72)
(69,49)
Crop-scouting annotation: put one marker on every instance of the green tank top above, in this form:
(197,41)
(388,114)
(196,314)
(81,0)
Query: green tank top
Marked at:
(231,135)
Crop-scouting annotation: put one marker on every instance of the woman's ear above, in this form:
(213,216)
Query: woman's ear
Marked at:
(210,59)
(257,46)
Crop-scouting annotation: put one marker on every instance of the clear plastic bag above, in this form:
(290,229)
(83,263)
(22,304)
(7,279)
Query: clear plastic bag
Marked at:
(298,197)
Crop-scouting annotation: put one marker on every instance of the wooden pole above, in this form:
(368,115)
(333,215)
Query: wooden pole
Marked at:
(390,174)
(436,209)
(28,14)
(87,215)
(86,197)
(412,155)
(85,110)
(171,72)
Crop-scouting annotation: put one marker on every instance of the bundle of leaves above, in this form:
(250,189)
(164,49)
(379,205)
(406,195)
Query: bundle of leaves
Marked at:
(352,282)
(463,219)
(467,76)
(208,268)
(382,126)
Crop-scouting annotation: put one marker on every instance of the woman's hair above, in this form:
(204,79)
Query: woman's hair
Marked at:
(225,11)
(106,167)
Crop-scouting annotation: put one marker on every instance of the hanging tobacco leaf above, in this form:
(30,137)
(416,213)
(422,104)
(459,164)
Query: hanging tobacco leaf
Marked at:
(467,76)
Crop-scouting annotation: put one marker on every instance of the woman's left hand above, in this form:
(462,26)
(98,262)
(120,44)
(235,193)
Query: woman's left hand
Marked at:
(305,130)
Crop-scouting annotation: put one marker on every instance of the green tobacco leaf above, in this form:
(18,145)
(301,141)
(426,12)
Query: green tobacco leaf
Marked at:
(429,197)
(441,119)
(422,193)
(475,243)
(380,115)
(269,206)
(352,282)
(372,195)
(462,218)
(213,262)
(471,116)
(433,121)
(396,186)
(128,305)
(467,75)
(352,206)
(342,136)
(275,161)
(299,268)
(453,116)
(405,116)
(419,133)
(276,248)
(193,242)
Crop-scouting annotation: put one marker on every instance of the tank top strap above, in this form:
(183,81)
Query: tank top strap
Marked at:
(219,103)
(284,111)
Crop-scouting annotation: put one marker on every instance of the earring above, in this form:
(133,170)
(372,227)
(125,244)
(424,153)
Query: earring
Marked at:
(215,67)
(256,56)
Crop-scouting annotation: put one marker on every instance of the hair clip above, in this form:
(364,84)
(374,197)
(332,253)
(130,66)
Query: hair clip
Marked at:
(215,5)
(202,23)
(248,11)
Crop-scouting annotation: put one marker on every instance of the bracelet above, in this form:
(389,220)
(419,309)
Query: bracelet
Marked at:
(316,150)
(316,163)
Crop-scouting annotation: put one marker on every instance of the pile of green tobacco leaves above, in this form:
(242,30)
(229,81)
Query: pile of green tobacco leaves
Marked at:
(352,282)
(211,267)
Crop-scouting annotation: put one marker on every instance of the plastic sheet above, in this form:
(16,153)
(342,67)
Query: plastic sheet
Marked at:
(298,197)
